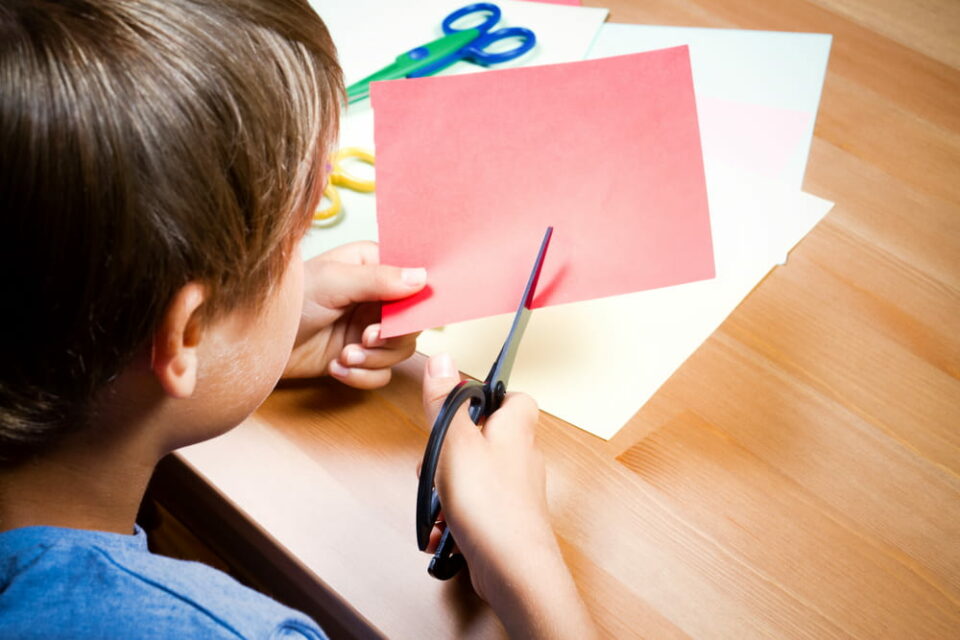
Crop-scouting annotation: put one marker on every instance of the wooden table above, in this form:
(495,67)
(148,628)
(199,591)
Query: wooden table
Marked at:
(796,478)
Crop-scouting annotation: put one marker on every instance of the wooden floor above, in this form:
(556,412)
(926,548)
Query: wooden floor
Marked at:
(798,477)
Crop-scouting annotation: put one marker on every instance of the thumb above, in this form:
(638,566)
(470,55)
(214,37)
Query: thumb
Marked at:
(439,378)
(344,284)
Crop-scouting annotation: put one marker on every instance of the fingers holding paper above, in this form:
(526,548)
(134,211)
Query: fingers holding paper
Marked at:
(339,329)
(367,364)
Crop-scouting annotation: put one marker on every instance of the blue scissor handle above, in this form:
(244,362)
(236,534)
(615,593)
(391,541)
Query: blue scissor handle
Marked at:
(476,51)
(462,12)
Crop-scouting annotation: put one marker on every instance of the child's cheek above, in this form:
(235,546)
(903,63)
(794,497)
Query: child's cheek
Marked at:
(292,303)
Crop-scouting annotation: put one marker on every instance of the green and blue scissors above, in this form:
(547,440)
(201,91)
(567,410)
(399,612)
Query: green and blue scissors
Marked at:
(469,44)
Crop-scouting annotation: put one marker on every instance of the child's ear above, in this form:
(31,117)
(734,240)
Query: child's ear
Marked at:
(173,356)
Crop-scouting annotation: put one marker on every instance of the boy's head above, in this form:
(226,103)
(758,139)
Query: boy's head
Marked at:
(144,145)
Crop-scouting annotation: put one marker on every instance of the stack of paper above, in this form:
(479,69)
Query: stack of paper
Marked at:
(628,203)
(369,34)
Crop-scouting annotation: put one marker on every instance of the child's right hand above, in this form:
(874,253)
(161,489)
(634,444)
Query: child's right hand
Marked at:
(493,491)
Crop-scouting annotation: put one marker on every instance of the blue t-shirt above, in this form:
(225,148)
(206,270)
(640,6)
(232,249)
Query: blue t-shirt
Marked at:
(72,583)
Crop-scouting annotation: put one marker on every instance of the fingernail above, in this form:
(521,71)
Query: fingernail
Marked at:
(441,366)
(371,337)
(338,370)
(413,277)
(355,356)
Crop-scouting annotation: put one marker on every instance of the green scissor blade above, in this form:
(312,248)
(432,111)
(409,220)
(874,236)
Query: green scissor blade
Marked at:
(409,61)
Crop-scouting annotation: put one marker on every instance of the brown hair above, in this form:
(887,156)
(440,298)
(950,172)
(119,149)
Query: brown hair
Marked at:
(144,144)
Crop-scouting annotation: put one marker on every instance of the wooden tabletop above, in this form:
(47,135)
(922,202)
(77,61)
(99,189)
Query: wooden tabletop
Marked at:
(796,478)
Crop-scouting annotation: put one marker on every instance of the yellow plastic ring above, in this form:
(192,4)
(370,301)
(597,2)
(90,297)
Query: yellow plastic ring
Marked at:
(333,196)
(344,179)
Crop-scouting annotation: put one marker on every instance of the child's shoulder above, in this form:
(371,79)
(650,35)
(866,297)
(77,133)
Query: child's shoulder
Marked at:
(98,584)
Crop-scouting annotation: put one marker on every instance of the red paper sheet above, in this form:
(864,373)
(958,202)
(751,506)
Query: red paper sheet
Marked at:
(471,169)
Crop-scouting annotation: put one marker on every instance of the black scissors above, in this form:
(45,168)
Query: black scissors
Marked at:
(484,399)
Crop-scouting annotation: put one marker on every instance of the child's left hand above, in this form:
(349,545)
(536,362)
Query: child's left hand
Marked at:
(339,330)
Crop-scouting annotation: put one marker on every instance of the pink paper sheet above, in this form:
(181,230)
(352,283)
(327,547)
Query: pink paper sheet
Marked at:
(472,168)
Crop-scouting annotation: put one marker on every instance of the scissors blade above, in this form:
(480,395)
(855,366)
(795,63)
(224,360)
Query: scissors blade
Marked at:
(420,61)
(500,372)
(361,89)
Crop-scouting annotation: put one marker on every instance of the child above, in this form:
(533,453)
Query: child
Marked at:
(159,161)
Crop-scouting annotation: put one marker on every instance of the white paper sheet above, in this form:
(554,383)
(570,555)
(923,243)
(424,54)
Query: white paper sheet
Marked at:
(369,34)
(778,69)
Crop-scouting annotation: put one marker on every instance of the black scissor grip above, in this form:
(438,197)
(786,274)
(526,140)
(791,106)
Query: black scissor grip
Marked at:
(428,503)
(445,564)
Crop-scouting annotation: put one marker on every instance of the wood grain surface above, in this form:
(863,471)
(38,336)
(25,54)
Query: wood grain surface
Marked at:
(796,478)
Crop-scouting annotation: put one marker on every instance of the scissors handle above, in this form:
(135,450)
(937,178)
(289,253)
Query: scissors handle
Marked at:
(493,17)
(445,563)
(341,177)
(331,215)
(476,51)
